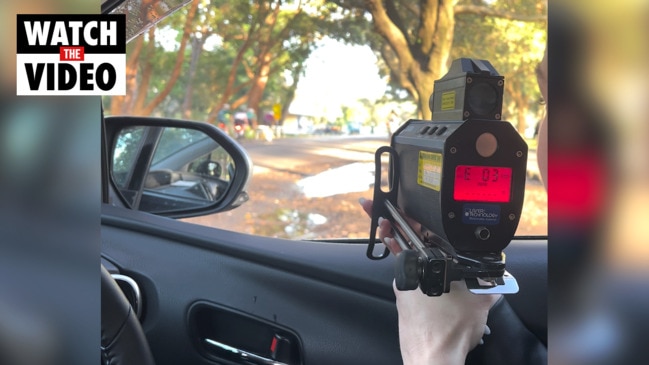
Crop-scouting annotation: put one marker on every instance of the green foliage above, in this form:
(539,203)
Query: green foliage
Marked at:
(230,42)
(481,30)
(235,39)
(513,47)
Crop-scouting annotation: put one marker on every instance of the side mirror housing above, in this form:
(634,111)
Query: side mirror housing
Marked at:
(174,168)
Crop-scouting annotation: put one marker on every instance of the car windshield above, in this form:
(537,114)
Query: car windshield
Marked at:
(141,14)
(312,89)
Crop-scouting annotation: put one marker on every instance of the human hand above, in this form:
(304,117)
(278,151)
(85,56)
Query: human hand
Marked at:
(436,329)
(385,228)
(441,330)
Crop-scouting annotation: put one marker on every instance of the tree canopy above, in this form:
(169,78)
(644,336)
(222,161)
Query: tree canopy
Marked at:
(214,52)
(416,40)
(252,53)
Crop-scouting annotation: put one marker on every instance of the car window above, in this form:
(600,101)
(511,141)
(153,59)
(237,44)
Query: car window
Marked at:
(126,152)
(308,90)
(217,163)
(173,140)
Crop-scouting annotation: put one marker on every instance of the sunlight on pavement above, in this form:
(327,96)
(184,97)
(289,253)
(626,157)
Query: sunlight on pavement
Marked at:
(345,154)
(259,170)
(355,177)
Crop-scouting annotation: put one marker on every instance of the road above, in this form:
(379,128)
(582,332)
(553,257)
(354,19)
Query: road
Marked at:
(305,187)
(311,155)
(308,187)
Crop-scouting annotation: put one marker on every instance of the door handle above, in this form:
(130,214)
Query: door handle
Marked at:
(249,357)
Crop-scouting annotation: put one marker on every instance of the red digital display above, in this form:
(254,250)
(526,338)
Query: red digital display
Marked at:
(483,184)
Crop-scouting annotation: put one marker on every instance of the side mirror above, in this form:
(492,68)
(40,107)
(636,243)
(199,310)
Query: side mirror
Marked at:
(175,168)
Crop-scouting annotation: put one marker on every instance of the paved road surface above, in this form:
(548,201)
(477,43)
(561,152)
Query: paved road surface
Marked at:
(311,155)
(301,182)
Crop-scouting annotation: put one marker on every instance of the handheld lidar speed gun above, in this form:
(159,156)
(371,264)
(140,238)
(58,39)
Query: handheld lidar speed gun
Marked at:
(461,177)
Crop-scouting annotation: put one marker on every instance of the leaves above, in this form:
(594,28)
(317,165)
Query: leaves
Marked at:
(252,52)
(417,41)
(223,52)
(514,48)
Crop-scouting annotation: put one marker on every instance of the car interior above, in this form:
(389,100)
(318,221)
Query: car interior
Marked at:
(175,292)
(207,295)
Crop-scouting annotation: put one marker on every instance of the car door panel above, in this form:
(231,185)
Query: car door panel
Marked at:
(336,323)
(338,304)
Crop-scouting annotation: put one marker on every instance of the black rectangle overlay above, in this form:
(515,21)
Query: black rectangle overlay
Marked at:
(23,46)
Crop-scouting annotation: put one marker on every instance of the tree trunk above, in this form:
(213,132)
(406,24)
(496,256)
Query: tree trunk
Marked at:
(424,83)
(290,93)
(137,104)
(197,48)
(229,88)
(417,50)
(259,84)
(175,72)
(522,117)
(119,104)
(423,61)
(520,103)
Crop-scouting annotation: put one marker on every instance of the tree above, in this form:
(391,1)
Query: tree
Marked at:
(518,60)
(198,38)
(415,40)
(276,37)
(252,44)
(515,48)
(140,68)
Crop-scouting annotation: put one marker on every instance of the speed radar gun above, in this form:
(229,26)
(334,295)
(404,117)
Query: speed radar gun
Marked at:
(461,177)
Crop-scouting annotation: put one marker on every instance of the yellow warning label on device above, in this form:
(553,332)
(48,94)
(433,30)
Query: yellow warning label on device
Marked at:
(448,100)
(429,173)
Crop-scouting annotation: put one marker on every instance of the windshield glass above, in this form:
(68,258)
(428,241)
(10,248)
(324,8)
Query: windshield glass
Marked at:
(312,89)
(143,14)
